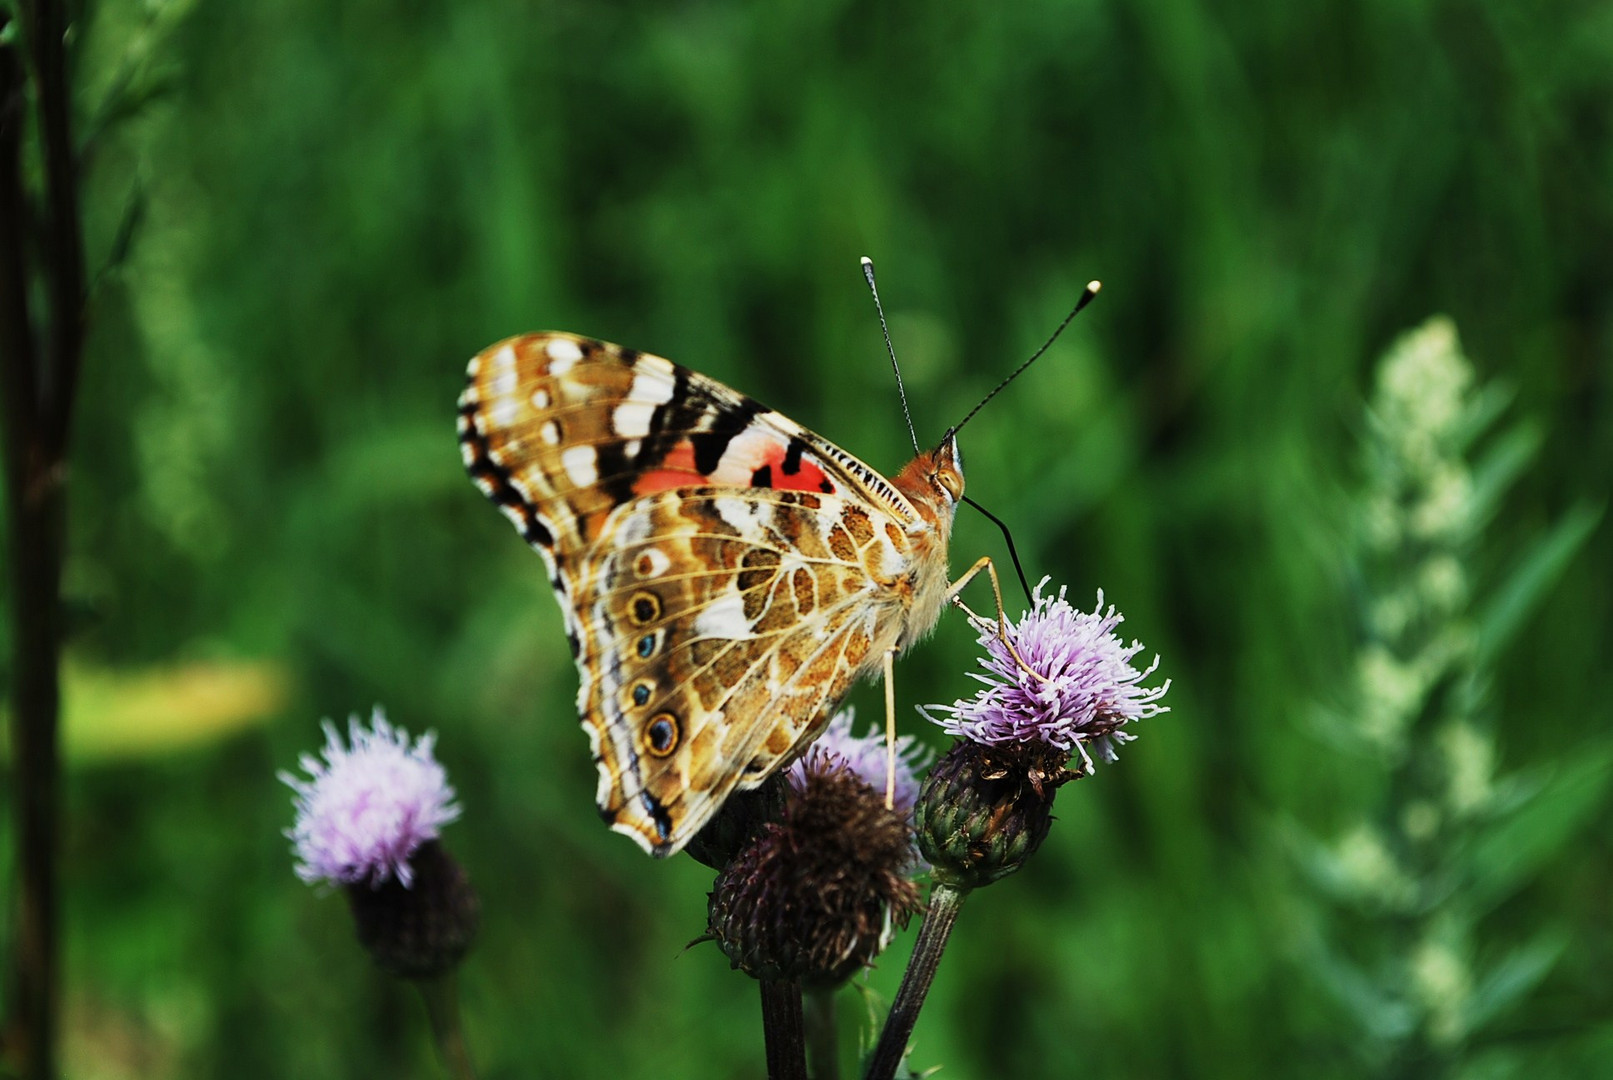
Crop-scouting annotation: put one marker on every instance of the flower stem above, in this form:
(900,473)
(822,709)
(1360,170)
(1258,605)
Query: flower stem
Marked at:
(782,1029)
(441,996)
(945,900)
(823,1034)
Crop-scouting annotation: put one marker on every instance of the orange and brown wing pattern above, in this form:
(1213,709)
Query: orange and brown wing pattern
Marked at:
(719,632)
(559,430)
(760,566)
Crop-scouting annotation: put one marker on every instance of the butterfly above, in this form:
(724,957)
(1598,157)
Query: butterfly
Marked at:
(724,575)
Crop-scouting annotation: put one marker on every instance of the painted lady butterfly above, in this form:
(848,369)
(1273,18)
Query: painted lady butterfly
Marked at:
(724,574)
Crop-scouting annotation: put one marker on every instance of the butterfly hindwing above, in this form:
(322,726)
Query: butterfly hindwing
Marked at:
(724,574)
(718,634)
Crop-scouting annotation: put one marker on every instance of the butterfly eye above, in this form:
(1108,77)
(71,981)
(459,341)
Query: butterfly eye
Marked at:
(662,734)
(951,483)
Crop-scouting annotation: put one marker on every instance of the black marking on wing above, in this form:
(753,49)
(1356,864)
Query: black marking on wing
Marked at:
(763,477)
(616,471)
(496,481)
(658,814)
(710,445)
(792,456)
(669,422)
(698,411)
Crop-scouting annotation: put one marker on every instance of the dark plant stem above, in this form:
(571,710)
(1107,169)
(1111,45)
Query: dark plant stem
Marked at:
(441,996)
(822,1034)
(945,900)
(38,376)
(46,24)
(783,1030)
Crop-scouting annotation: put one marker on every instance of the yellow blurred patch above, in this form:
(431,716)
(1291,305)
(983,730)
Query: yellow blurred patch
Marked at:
(111,715)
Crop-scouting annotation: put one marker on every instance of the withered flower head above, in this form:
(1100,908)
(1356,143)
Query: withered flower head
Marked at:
(818,894)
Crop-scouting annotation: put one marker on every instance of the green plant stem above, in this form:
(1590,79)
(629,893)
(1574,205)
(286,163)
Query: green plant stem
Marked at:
(441,996)
(945,900)
(822,1034)
(782,1029)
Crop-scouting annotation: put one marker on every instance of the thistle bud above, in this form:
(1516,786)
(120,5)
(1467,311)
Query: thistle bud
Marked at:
(421,930)
(984,810)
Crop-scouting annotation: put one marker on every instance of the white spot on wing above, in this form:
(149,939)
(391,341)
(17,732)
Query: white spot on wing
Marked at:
(581,465)
(503,381)
(659,563)
(550,433)
(651,388)
(631,448)
(723,618)
(652,383)
(736,512)
(634,529)
(632,419)
(746,453)
(540,399)
(503,412)
(563,353)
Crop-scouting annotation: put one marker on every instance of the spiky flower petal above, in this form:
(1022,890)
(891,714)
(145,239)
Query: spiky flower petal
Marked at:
(364,810)
(1084,690)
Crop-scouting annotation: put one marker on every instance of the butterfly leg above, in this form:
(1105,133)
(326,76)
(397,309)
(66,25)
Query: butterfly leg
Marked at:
(985,563)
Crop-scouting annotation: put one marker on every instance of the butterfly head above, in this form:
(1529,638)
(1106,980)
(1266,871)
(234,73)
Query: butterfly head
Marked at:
(946,470)
(933,482)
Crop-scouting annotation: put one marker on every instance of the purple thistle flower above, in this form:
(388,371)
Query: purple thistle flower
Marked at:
(1092,688)
(363,811)
(864,757)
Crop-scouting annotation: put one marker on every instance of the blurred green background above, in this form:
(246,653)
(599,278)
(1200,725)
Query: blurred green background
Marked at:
(338,204)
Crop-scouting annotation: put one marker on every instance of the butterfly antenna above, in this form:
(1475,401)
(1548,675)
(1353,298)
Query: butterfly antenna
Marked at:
(1012,552)
(1086,298)
(868,272)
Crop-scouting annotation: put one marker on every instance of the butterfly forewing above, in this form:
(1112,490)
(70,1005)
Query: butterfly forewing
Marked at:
(723,573)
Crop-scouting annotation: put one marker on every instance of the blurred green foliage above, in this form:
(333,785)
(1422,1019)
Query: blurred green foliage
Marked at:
(312,214)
